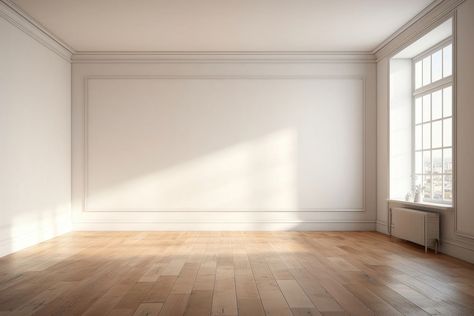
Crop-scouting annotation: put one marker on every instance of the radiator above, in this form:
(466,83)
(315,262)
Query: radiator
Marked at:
(416,226)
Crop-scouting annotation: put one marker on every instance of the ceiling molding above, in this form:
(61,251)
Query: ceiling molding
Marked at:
(18,18)
(402,37)
(420,24)
(407,25)
(223,57)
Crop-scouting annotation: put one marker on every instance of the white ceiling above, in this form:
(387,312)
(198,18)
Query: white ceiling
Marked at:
(222,25)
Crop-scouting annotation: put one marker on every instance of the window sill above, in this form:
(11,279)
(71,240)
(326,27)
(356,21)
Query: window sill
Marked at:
(423,205)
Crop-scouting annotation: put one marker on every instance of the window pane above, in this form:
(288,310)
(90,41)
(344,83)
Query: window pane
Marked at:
(426,136)
(436,105)
(447,101)
(427,108)
(427,161)
(436,65)
(447,161)
(418,138)
(418,110)
(448,188)
(427,187)
(437,161)
(418,162)
(418,75)
(447,132)
(437,187)
(427,70)
(418,182)
(436,134)
(447,60)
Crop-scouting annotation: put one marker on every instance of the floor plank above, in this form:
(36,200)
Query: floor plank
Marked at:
(233,273)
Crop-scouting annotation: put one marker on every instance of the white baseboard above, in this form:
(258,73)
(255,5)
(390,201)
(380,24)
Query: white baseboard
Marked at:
(227,226)
(382,227)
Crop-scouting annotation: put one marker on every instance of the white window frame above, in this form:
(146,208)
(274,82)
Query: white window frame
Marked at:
(438,85)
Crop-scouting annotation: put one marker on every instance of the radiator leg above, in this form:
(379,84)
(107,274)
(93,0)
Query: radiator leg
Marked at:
(436,246)
(426,247)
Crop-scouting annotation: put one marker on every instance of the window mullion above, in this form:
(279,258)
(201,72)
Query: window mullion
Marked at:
(428,87)
(434,86)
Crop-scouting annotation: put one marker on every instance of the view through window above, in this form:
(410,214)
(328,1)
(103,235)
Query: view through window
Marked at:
(433,123)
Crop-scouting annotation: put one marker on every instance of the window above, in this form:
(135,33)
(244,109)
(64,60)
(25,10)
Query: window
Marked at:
(433,123)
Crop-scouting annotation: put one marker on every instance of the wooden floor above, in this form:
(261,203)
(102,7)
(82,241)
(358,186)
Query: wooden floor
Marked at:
(232,273)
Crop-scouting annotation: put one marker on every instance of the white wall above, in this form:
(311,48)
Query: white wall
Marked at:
(34,140)
(457,231)
(223,145)
(400,128)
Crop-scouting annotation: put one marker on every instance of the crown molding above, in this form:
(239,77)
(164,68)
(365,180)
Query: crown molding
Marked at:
(423,12)
(222,57)
(21,20)
(432,14)
(420,24)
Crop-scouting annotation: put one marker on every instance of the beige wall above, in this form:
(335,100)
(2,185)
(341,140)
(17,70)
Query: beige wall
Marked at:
(457,231)
(228,145)
(464,120)
(34,141)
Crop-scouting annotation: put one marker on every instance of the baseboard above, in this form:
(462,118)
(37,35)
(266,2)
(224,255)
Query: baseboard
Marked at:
(227,226)
(456,250)
(382,227)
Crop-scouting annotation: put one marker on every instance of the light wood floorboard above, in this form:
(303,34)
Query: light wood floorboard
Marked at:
(233,273)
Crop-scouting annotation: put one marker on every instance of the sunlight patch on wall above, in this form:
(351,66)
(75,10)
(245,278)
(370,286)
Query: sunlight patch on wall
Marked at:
(260,173)
(212,144)
(32,227)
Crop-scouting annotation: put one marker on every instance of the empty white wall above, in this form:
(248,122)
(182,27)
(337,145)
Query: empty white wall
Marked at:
(400,128)
(34,140)
(457,228)
(223,145)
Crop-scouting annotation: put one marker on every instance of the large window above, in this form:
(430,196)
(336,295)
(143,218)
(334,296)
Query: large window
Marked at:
(433,123)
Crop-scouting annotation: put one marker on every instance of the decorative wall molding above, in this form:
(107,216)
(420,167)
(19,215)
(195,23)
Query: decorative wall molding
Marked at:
(86,80)
(222,57)
(231,222)
(227,210)
(219,226)
(417,27)
(17,17)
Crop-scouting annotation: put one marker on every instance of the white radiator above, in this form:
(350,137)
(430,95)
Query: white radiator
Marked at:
(416,226)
